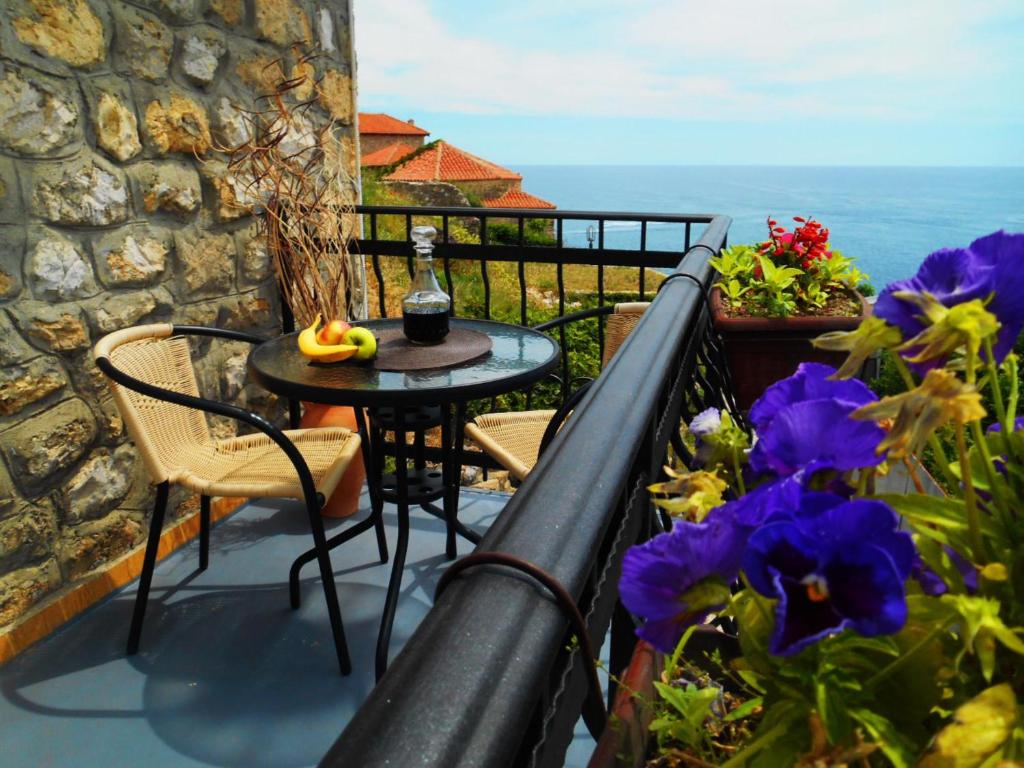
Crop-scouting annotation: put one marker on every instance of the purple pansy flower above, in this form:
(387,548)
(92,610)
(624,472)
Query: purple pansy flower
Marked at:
(766,502)
(933,585)
(991,265)
(833,565)
(815,435)
(1018,426)
(657,575)
(810,382)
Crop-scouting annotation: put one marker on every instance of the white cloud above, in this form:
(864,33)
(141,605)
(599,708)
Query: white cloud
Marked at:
(682,58)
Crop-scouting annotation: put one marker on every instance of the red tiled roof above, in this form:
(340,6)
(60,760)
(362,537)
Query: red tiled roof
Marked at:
(385,156)
(516,198)
(378,122)
(443,162)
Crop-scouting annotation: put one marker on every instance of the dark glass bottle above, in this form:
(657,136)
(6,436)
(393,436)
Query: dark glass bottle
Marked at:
(425,307)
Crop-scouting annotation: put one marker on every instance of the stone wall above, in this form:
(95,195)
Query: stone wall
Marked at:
(488,190)
(371,142)
(115,210)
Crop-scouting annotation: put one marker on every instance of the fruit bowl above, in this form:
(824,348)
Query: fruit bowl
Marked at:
(336,341)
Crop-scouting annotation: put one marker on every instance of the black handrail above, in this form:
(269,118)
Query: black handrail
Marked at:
(487,678)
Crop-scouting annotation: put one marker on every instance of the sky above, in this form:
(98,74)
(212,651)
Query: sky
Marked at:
(683,82)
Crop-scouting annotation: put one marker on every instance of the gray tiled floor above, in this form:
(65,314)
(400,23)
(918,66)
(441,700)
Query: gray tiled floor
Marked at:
(227,675)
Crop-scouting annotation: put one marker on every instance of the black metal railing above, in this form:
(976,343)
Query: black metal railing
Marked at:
(491,677)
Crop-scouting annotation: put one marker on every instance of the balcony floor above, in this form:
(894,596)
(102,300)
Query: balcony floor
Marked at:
(227,674)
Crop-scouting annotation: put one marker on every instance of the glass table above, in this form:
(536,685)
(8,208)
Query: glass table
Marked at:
(403,402)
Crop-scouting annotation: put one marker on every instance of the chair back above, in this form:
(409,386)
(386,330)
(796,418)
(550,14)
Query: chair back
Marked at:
(619,325)
(164,432)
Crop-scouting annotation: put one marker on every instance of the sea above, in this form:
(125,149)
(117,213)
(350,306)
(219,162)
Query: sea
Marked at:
(888,218)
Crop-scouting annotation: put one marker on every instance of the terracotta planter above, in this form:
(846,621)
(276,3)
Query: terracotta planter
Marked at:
(762,350)
(344,502)
(624,741)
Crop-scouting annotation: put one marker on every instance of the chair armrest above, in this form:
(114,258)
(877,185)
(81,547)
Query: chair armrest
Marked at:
(219,409)
(572,317)
(220,333)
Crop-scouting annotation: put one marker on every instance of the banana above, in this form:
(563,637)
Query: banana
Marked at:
(319,353)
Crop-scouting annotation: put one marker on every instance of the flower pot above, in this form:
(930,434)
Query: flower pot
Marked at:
(344,502)
(763,350)
(624,741)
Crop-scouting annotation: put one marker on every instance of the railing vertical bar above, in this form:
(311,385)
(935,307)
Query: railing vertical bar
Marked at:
(448,265)
(686,243)
(408,238)
(600,286)
(643,250)
(483,269)
(377,272)
(522,271)
(561,311)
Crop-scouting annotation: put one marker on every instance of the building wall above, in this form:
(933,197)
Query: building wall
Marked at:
(373,141)
(116,210)
(487,190)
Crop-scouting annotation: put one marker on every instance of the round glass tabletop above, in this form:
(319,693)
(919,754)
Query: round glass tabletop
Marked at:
(518,357)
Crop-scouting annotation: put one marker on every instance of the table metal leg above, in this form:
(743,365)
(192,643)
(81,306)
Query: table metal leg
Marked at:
(373,483)
(398,565)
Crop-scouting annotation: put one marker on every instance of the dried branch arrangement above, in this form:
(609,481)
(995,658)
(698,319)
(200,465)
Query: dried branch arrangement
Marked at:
(294,174)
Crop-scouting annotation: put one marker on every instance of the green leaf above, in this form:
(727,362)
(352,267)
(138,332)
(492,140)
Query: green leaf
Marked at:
(883,733)
(744,709)
(978,731)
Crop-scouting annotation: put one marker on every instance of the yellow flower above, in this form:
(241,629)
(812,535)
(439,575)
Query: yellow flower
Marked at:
(870,336)
(940,398)
(692,494)
(963,325)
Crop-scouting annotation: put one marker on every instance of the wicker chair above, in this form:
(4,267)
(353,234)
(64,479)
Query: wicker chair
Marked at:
(154,387)
(516,439)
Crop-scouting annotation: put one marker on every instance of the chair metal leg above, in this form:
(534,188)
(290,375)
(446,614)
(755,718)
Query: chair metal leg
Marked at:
(156,524)
(204,532)
(323,558)
(373,485)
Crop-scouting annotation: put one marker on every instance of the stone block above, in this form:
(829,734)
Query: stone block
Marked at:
(99,485)
(208,264)
(131,257)
(38,114)
(52,327)
(21,589)
(86,547)
(252,312)
(87,192)
(260,72)
(168,188)
(202,49)
(176,123)
(231,128)
(12,250)
(282,21)
(231,12)
(58,268)
(13,348)
(10,196)
(23,384)
(122,310)
(8,499)
(27,537)
(255,262)
(143,43)
(231,191)
(116,127)
(325,29)
(334,92)
(69,30)
(47,443)
(177,10)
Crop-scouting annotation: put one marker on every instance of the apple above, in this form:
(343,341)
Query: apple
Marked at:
(362,338)
(332,333)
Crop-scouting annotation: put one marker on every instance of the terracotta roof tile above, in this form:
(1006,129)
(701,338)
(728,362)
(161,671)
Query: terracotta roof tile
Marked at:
(516,198)
(378,122)
(384,156)
(443,162)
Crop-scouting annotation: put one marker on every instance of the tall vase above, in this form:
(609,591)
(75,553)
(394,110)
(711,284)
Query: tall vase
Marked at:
(344,502)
